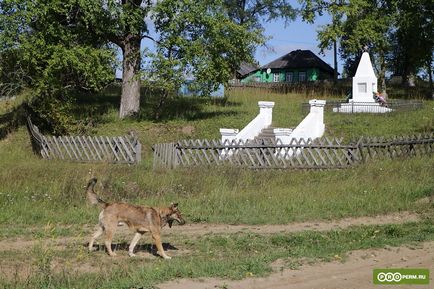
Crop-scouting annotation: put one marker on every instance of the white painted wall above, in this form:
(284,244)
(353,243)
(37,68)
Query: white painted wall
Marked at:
(312,126)
(261,121)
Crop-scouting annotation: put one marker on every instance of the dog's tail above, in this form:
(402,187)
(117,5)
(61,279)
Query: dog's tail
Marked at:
(92,197)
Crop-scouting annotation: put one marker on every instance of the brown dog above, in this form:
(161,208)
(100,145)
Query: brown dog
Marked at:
(138,218)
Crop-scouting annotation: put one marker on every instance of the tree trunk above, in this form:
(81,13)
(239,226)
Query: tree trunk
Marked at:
(431,90)
(130,98)
(335,56)
(382,73)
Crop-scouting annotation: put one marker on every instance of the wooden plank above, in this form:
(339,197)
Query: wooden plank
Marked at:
(77,149)
(127,150)
(72,148)
(59,149)
(121,149)
(107,151)
(91,141)
(86,146)
(50,149)
(134,148)
(83,148)
(113,149)
(44,149)
(65,146)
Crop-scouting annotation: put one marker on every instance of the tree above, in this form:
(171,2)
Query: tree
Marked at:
(49,46)
(252,12)
(358,25)
(413,39)
(68,44)
(194,38)
(398,33)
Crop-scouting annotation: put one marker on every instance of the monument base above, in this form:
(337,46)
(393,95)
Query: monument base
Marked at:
(361,107)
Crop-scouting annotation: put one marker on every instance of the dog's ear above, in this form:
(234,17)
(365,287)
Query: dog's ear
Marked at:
(174,205)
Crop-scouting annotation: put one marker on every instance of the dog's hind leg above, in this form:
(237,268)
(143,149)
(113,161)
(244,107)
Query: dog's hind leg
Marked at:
(95,236)
(108,241)
(110,225)
(157,240)
(133,244)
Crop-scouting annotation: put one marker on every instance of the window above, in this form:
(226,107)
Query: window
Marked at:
(362,87)
(302,76)
(289,77)
(276,77)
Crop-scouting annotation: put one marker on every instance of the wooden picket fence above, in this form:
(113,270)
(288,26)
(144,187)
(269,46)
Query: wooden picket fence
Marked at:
(323,153)
(121,149)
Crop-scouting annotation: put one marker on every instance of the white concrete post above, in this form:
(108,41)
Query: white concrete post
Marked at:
(266,111)
(284,135)
(228,135)
(317,110)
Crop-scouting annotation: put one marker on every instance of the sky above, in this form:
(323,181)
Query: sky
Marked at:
(297,35)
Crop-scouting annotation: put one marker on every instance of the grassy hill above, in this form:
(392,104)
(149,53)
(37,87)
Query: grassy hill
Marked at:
(43,201)
(215,195)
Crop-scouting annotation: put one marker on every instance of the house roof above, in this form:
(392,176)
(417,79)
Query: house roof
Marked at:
(246,68)
(299,59)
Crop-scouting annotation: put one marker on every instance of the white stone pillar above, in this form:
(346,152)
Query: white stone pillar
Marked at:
(228,135)
(317,110)
(284,134)
(266,111)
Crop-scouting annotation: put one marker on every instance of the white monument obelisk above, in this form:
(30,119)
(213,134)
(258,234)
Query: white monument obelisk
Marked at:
(364,87)
(365,81)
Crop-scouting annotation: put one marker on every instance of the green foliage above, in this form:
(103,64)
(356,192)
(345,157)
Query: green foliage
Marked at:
(55,54)
(253,13)
(397,31)
(199,41)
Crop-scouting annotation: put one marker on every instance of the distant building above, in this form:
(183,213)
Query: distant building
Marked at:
(188,88)
(296,66)
(246,69)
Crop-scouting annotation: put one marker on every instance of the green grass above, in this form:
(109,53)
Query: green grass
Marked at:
(42,199)
(35,191)
(233,256)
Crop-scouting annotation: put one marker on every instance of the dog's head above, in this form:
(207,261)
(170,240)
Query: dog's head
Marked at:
(174,215)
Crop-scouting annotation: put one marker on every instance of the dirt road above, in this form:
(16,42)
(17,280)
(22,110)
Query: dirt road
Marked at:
(202,229)
(355,272)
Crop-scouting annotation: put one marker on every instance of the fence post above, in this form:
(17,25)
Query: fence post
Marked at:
(137,147)
(175,159)
(360,148)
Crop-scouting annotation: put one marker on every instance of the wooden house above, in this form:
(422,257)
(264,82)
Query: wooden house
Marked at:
(296,66)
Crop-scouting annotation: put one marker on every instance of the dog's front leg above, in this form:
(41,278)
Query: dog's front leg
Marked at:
(133,244)
(157,240)
(96,235)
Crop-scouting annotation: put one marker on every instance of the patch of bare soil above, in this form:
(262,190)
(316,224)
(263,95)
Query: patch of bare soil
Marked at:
(355,272)
(202,229)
